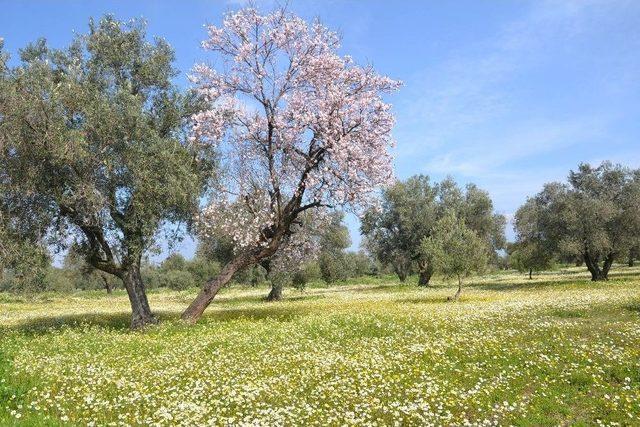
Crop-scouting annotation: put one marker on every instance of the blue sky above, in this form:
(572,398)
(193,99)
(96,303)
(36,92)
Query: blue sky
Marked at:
(506,94)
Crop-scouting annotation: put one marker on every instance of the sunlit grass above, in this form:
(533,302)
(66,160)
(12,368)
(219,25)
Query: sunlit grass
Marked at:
(554,350)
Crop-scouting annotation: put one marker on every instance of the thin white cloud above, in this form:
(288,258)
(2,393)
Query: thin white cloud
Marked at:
(471,87)
(527,139)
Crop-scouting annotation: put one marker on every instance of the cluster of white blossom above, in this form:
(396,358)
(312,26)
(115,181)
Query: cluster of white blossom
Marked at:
(291,119)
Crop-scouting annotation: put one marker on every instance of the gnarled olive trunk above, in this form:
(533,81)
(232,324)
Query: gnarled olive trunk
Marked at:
(141,315)
(597,273)
(276,292)
(424,275)
(129,272)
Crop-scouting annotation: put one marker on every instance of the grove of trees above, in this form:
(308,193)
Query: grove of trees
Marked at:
(595,217)
(409,213)
(103,156)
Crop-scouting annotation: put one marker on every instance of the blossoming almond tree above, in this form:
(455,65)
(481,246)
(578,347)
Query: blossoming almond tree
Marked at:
(297,125)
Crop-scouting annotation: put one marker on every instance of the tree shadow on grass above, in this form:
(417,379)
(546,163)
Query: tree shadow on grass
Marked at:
(121,321)
(271,311)
(634,307)
(536,284)
(47,324)
(253,298)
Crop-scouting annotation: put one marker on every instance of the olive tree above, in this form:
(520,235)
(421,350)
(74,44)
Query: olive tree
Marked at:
(455,249)
(531,251)
(334,240)
(408,213)
(394,230)
(594,216)
(92,144)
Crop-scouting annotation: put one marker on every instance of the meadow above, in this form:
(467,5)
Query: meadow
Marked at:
(555,350)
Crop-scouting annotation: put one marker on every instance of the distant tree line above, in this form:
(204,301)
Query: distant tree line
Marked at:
(34,271)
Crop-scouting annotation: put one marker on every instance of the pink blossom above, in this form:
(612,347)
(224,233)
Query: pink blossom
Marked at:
(297,126)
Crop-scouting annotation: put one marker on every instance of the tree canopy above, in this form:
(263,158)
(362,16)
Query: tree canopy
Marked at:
(455,249)
(93,147)
(594,216)
(409,212)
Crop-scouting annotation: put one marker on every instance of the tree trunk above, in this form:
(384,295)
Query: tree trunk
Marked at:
(458,292)
(596,273)
(530,273)
(107,285)
(424,276)
(193,313)
(608,262)
(401,272)
(276,292)
(631,260)
(141,315)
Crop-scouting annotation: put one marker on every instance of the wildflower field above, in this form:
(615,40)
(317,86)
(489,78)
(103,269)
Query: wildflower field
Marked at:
(555,350)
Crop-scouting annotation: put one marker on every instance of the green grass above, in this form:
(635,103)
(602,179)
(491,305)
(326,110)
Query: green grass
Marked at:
(556,350)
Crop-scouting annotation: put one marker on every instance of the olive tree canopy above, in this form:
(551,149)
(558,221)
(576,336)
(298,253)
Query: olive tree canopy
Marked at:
(92,148)
(595,215)
(409,212)
(455,250)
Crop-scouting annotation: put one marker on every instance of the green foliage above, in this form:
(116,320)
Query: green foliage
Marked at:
(24,267)
(358,264)
(93,147)
(455,249)
(217,248)
(333,267)
(177,280)
(174,261)
(410,209)
(530,256)
(203,270)
(594,216)
(334,241)
(335,236)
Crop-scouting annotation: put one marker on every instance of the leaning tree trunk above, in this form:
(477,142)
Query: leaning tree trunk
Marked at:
(211,288)
(141,315)
(276,292)
(530,273)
